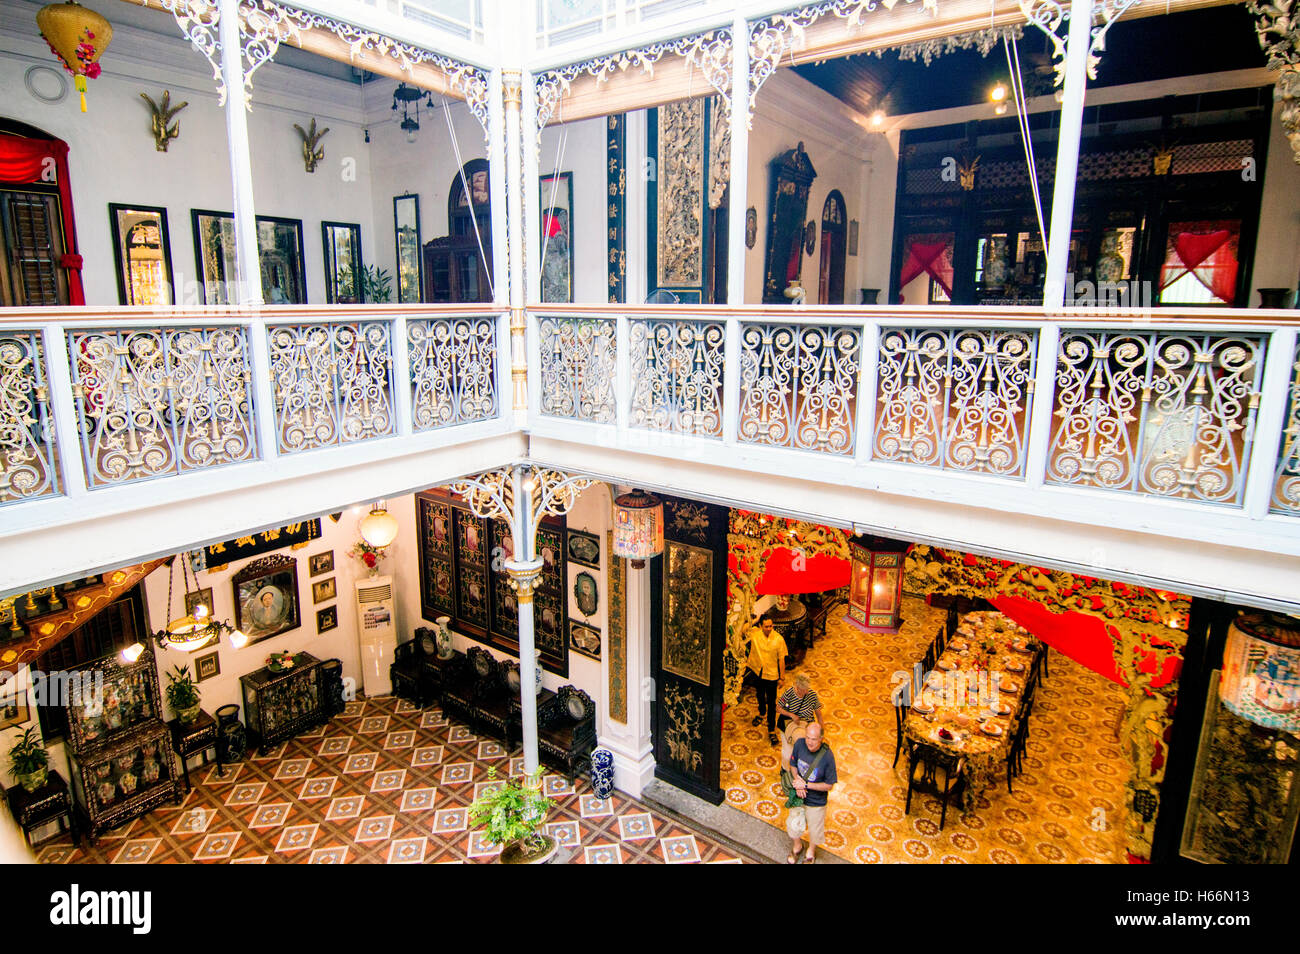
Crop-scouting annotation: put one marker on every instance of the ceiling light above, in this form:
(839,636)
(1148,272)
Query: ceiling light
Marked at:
(378,528)
(407,100)
(878,118)
(195,629)
(132,652)
(998,93)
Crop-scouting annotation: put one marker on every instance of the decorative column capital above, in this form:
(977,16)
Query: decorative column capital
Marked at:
(522,577)
(512,88)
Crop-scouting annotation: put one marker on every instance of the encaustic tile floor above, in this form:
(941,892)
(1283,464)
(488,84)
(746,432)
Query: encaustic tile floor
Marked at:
(1067,805)
(384,782)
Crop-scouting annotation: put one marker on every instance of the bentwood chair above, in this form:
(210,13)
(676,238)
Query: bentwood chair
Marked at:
(901,699)
(1040,661)
(942,774)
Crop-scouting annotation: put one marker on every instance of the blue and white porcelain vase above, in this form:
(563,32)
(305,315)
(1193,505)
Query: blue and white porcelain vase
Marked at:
(443,638)
(537,671)
(602,773)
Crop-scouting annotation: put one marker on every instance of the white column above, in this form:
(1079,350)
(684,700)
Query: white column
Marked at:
(501,179)
(524,571)
(1040,414)
(71,454)
(241,164)
(1275,396)
(739,162)
(1067,152)
(631,744)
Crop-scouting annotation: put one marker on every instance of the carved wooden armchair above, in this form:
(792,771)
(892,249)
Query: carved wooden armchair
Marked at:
(567,731)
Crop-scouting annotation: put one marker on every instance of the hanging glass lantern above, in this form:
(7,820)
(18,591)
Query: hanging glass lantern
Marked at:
(378,528)
(876,583)
(78,37)
(1261,670)
(638,526)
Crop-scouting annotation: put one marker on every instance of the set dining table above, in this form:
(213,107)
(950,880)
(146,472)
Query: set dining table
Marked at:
(972,702)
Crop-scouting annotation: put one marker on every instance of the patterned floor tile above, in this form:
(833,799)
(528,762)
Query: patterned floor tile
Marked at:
(374,725)
(407,851)
(217,847)
(426,755)
(345,807)
(296,837)
(361,763)
(337,855)
(480,847)
(603,855)
(270,815)
(418,799)
(137,851)
(246,793)
(680,849)
(636,826)
(566,833)
(320,787)
(335,745)
(400,740)
(291,769)
(593,807)
(457,773)
(450,820)
(490,750)
(378,828)
(389,781)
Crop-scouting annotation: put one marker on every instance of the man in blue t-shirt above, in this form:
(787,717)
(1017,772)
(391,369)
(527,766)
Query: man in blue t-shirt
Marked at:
(812,770)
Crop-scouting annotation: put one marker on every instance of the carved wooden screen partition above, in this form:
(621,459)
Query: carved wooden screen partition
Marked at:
(688,626)
(462,575)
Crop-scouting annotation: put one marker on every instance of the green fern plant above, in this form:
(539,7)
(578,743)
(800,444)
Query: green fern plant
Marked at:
(513,813)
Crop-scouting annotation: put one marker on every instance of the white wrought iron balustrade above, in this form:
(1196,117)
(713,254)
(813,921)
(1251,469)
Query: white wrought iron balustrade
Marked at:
(677,375)
(1168,413)
(1286,480)
(799,386)
(453,370)
(578,358)
(333,383)
(955,398)
(28,460)
(154,402)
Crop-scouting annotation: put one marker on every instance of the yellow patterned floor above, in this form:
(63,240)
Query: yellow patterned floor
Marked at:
(1066,806)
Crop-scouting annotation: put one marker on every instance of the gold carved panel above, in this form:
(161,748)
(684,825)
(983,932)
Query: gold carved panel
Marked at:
(688,611)
(680,165)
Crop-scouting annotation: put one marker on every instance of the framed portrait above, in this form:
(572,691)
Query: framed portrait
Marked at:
(319,563)
(751,227)
(557,237)
(584,639)
(327,619)
(142,252)
(323,590)
(266,597)
(342,243)
(207,666)
(586,594)
(584,548)
(13,705)
(809,237)
(406,233)
(201,597)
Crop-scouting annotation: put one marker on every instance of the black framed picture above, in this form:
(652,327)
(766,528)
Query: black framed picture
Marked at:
(327,618)
(207,666)
(201,597)
(584,548)
(214,255)
(279,248)
(406,235)
(323,590)
(557,237)
(266,597)
(319,563)
(142,252)
(586,594)
(584,639)
(342,243)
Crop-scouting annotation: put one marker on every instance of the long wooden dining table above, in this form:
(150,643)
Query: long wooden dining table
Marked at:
(972,702)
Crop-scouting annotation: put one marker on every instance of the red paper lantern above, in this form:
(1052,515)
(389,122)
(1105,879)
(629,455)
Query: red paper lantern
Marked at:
(78,37)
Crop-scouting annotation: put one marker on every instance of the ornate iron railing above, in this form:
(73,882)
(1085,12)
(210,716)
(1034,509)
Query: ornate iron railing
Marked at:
(453,370)
(577,368)
(1168,413)
(28,460)
(955,398)
(333,383)
(1286,478)
(677,375)
(153,402)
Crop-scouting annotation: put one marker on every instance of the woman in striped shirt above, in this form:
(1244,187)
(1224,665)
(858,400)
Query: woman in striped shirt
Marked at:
(800,702)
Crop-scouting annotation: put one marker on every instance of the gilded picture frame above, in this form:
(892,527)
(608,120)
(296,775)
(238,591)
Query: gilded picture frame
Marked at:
(266,597)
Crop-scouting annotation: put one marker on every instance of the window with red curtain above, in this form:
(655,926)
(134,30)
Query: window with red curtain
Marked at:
(929,254)
(26,160)
(1200,263)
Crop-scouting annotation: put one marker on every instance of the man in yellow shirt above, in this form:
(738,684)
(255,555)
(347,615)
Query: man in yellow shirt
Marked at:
(767,658)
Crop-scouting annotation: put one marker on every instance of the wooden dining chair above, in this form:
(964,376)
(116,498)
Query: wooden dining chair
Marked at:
(942,774)
(1040,660)
(940,642)
(927,661)
(901,698)
(1016,754)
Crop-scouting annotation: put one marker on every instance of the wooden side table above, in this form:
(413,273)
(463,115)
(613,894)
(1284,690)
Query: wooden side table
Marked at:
(49,802)
(195,738)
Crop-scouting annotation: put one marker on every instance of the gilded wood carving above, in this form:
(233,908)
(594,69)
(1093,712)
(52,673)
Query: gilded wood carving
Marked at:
(680,164)
(688,611)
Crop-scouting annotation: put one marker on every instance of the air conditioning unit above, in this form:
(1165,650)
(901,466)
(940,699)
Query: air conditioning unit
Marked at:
(376,632)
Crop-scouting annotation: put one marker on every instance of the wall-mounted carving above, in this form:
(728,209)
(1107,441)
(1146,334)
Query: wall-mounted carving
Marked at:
(312,151)
(688,611)
(161,113)
(680,164)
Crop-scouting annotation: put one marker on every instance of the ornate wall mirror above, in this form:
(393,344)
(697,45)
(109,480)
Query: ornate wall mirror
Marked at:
(343,280)
(792,174)
(142,252)
(406,231)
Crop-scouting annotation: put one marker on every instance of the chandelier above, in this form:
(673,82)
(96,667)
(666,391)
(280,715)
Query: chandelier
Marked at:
(197,628)
(407,98)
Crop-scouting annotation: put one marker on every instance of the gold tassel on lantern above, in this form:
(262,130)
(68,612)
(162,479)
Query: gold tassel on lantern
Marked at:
(78,37)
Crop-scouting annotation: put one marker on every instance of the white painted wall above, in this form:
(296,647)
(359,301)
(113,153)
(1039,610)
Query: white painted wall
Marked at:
(1277,255)
(579,148)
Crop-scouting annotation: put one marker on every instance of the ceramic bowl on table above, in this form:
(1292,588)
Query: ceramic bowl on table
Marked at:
(991,728)
(922,708)
(947,665)
(1010,688)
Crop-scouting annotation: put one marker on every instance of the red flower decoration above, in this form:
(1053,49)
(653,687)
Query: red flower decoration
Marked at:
(368,559)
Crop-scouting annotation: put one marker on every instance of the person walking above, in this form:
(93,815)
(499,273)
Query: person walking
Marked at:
(800,703)
(812,773)
(767,653)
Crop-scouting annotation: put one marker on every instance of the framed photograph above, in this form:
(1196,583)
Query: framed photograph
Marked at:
(266,597)
(207,666)
(327,619)
(557,237)
(586,594)
(142,252)
(751,227)
(323,590)
(201,597)
(342,243)
(406,232)
(584,639)
(13,705)
(809,237)
(279,247)
(853,236)
(319,563)
(584,548)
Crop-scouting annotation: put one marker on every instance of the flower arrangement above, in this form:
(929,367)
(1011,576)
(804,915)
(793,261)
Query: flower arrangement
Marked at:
(367,554)
(282,660)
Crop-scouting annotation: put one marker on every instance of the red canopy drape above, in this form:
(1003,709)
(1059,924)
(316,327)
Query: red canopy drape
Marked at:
(929,254)
(1206,249)
(24,161)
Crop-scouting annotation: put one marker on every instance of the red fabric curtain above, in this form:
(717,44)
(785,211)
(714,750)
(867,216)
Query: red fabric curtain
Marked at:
(24,161)
(931,254)
(1208,250)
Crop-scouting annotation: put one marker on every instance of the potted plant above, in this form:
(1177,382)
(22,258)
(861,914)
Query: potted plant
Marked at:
(29,762)
(182,694)
(512,815)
